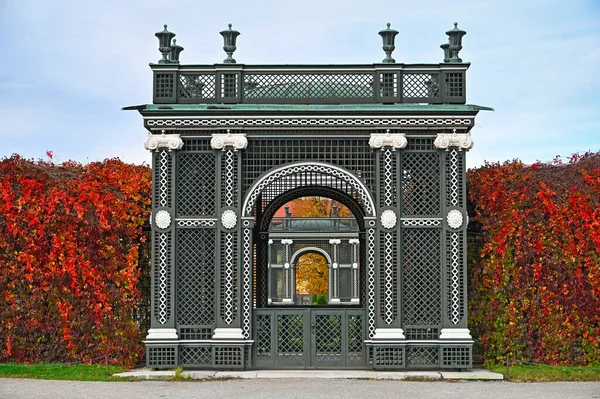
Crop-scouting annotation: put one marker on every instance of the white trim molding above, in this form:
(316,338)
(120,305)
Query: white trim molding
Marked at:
(156,141)
(462,141)
(161,333)
(228,333)
(455,333)
(388,334)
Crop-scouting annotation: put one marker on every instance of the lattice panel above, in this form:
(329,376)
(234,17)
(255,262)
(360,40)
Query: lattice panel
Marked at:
(420,184)
(247,281)
(328,338)
(345,253)
(420,144)
(196,276)
(388,277)
(290,335)
(229,85)
(420,85)
(355,338)
(424,356)
(162,277)
(422,333)
(263,336)
(195,355)
(164,85)
(421,262)
(262,274)
(454,166)
(228,277)
(163,167)
(196,86)
(455,276)
(277,283)
(455,84)
(161,357)
(388,84)
(196,184)
(197,144)
(229,356)
(277,254)
(296,86)
(388,357)
(388,177)
(345,286)
(229,178)
(456,357)
(195,333)
(352,154)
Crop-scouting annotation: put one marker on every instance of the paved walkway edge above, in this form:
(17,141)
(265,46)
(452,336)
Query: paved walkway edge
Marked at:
(477,374)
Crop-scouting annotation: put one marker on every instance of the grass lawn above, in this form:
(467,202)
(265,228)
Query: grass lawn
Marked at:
(80,372)
(549,373)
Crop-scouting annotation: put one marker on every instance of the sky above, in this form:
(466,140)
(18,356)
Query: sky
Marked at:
(70,66)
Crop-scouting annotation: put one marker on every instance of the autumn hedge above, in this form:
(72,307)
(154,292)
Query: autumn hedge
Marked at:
(70,237)
(69,241)
(535,279)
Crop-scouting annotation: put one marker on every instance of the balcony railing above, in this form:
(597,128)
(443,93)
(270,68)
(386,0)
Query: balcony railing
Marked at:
(310,84)
(306,224)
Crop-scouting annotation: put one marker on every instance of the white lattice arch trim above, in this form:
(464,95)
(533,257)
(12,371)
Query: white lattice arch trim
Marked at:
(300,167)
(306,250)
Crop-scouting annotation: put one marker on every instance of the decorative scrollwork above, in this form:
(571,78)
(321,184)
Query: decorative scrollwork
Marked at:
(238,141)
(379,140)
(156,141)
(460,140)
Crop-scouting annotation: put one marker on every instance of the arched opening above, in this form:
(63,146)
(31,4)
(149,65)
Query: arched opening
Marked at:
(312,279)
(313,249)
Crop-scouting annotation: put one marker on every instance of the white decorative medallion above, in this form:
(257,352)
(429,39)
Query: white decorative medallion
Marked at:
(388,219)
(229,219)
(454,219)
(162,219)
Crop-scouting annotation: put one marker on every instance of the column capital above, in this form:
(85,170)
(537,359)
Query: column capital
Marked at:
(353,241)
(287,241)
(237,140)
(462,141)
(169,141)
(335,241)
(395,140)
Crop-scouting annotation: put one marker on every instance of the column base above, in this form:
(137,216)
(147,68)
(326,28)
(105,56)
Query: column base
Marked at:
(335,301)
(388,334)
(455,334)
(161,333)
(228,334)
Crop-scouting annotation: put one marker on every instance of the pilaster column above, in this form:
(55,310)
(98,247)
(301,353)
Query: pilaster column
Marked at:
(162,321)
(455,221)
(388,270)
(288,276)
(354,242)
(334,273)
(230,256)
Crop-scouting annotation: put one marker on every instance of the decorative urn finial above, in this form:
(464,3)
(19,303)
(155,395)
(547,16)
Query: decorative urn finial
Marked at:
(164,44)
(229,38)
(175,51)
(388,35)
(455,38)
(446,48)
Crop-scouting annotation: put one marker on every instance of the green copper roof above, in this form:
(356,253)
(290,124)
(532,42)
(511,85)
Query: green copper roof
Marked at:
(403,108)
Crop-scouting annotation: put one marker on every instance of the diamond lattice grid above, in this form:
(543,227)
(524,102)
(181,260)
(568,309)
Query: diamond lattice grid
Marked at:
(421,184)
(454,166)
(228,291)
(196,86)
(356,85)
(290,329)
(422,286)
(355,337)
(195,355)
(328,337)
(196,184)
(421,85)
(162,277)
(229,178)
(455,276)
(196,276)
(422,356)
(389,277)
(263,335)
